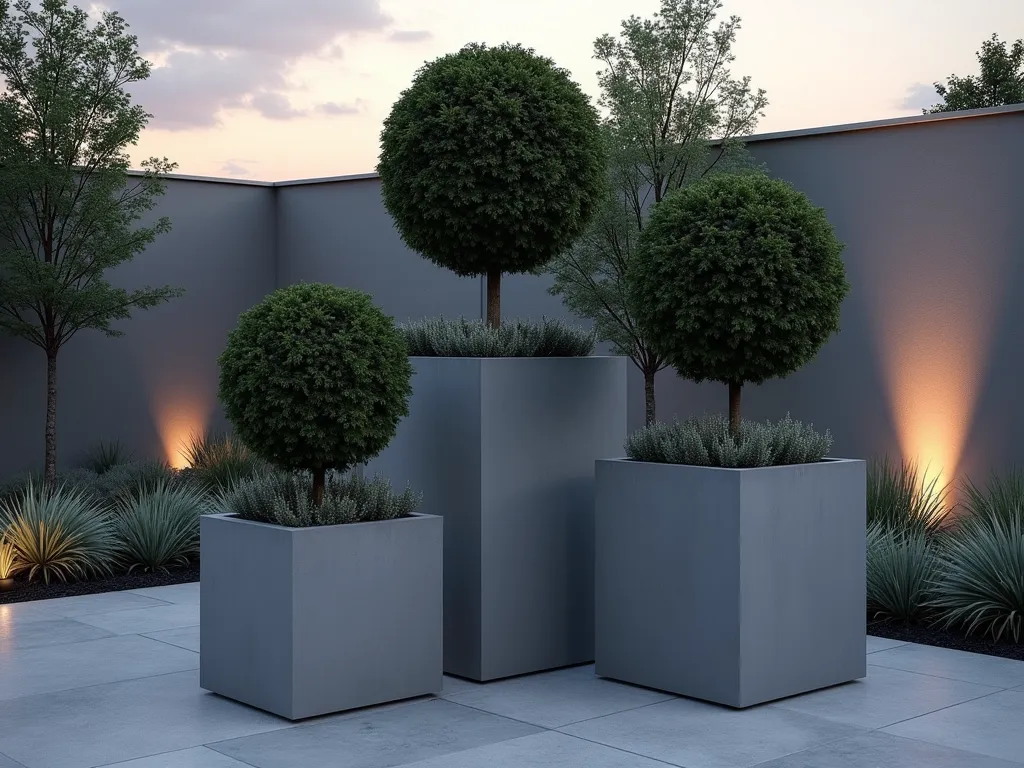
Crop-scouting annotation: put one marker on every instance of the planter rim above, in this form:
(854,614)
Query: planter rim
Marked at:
(826,460)
(233,518)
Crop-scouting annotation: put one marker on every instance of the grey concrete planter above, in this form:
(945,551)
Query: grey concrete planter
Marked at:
(306,621)
(736,586)
(504,449)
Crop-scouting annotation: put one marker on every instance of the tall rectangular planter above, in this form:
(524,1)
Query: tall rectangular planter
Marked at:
(737,586)
(504,449)
(307,621)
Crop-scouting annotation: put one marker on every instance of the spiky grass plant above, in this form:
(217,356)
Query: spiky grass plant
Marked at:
(901,567)
(158,528)
(980,584)
(286,498)
(133,479)
(902,497)
(9,564)
(220,461)
(438,337)
(1001,500)
(105,456)
(79,478)
(707,441)
(63,534)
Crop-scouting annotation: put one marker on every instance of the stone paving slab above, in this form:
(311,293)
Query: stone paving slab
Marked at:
(954,665)
(993,725)
(886,696)
(111,680)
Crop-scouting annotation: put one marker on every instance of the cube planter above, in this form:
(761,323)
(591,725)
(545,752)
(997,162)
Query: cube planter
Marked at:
(737,586)
(504,449)
(307,621)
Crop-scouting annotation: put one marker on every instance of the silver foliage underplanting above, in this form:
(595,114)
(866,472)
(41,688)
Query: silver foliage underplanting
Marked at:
(286,498)
(902,567)
(158,527)
(60,535)
(980,583)
(439,337)
(706,441)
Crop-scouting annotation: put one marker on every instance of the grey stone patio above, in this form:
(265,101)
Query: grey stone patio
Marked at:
(112,679)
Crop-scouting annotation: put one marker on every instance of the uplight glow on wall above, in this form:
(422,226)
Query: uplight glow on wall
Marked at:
(177,418)
(935,308)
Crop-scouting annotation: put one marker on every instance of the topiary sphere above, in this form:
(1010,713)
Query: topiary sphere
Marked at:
(315,377)
(491,161)
(737,279)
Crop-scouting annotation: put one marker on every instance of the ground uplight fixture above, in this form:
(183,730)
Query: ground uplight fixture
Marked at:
(8,565)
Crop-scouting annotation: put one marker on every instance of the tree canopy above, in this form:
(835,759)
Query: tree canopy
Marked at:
(69,210)
(738,279)
(999,82)
(675,114)
(491,162)
(315,377)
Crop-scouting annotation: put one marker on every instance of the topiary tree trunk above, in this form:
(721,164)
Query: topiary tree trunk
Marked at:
(494,298)
(319,480)
(651,415)
(735,388)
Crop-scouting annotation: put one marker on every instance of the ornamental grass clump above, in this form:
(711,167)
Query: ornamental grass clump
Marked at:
(902,565)
(78,478)
(980,583)
(737,279)
(286,498)
(218,462)
(437,337)
(105,456)
(60,535)
(492,163)
(708,441)
(134,479)
(315,378)
(158,527)
(1001,500)
(901,497)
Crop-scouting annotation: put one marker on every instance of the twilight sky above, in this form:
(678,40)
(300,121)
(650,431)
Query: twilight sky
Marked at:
(283,89)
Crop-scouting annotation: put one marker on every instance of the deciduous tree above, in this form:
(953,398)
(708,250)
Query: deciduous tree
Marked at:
(68,207)
(674,115)
(999,82)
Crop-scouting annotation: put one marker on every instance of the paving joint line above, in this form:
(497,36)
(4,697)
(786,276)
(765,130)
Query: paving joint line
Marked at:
(943,677)
(940,709)
(98,685)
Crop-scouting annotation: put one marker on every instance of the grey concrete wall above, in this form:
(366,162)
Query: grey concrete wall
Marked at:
(338,232)
(150,387)
(928,360)
(927,363)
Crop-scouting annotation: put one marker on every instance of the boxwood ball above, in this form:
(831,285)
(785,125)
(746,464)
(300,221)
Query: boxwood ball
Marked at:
(738,279)
(315,377)
(491,160)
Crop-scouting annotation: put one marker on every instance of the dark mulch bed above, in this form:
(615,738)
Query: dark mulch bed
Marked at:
(945,638)
(24,591)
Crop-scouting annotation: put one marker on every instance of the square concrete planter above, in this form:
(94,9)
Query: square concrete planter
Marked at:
(504,449)
(737,586)
(307,621)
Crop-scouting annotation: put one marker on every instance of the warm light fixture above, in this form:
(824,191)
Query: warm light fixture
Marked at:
(8,565)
